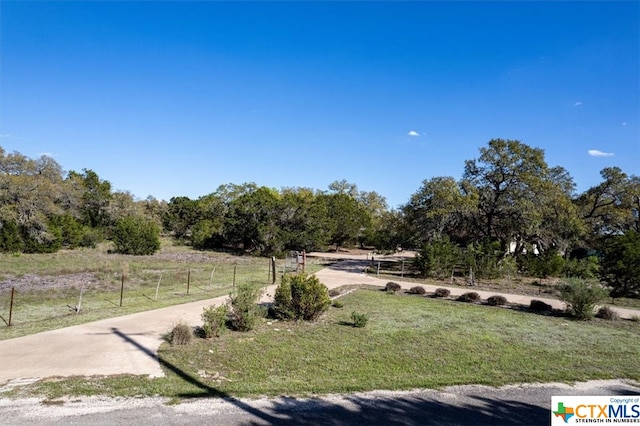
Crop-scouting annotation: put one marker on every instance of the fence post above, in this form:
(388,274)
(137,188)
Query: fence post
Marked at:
(273,269)
(188,280)
(378,273)
(402,273)
(158,286)
(121,288)
(13,290)
(80,300)
(234,275)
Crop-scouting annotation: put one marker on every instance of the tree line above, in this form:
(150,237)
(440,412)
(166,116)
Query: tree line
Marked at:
(509,210)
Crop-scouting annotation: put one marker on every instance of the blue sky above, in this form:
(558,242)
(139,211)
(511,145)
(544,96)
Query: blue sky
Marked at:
(169,99)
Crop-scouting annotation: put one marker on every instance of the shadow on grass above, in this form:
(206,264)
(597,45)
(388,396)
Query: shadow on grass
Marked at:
(207,391)
(428,408)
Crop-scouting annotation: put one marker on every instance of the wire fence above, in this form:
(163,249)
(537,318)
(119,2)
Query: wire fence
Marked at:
(30,299)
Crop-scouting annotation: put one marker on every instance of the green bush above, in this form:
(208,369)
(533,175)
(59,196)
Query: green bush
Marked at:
(442,292)
(136,235)
(581,297)
(337,304)
(497,300)
(245,311)
(91,237)
(300,297)
(620,267)
(484,258)
(392,287)
(585,268)
(10,237)
(469,297)
(214,319)
(359,320)
(181,334)
(417,290)
(546,264)
(437,258)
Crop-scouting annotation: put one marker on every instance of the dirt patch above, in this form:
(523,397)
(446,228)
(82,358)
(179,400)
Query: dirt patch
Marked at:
(32,282)
(191,257)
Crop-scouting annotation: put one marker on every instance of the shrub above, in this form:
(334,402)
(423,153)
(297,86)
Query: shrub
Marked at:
(214,319)
(301,297)
(392,287)
(333,293)
(497,300)
(469,297)
(585,268)
(417,290)
(181,334)
(136,235)
(581,297)
(442,292)
(543,265)
(483,258)
(337,304)
(437,258)
(539,306)
(359,320)
(607,313)
(245,311)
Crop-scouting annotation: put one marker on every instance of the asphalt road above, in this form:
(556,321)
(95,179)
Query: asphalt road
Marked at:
(457,405)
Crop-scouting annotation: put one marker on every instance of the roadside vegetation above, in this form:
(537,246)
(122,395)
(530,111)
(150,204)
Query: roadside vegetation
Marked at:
(408,342)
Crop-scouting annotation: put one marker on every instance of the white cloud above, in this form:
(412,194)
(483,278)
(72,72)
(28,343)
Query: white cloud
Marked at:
(598,153)
(413,133)
(5,136)
(577,103)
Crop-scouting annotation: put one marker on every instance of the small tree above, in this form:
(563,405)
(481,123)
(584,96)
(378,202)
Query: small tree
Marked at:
(620,267)
(245,311)
(581,297)
(484,259)
(437,258)
(136,235)
(301,297)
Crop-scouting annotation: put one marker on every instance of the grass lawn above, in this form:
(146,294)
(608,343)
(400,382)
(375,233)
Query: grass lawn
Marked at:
(409,342)
(394,270)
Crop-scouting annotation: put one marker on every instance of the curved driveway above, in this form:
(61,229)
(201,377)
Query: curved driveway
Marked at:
(129,344)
